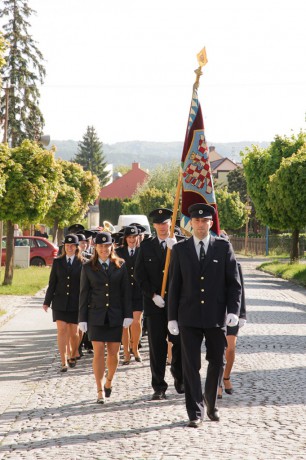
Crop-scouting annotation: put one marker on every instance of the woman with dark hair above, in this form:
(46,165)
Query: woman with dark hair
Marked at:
(104,308)
(63,295)
(131,337)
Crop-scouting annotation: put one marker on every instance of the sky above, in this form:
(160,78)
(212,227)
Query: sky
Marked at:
(126,67)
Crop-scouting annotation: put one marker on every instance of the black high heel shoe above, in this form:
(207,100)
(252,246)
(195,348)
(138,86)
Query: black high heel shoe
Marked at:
(107,391)
(229,391)
(220,390)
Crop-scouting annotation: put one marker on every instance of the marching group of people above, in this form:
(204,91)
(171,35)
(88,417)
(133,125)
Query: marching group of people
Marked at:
(103,284)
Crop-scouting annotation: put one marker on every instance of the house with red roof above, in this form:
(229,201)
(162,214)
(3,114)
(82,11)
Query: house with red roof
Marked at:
(125,186)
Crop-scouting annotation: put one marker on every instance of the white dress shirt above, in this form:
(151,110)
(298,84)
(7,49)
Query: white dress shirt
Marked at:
(198,246)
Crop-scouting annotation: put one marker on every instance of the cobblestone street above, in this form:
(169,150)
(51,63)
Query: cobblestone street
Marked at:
(48,415)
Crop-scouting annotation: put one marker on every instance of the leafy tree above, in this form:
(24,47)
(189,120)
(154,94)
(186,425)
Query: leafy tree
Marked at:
(31,188)
(78,189)
(147,200)
(122,169)
(259,166)
(163,178)
(90,155)
(22,72)
(231,210)
(287,198)
(237,183)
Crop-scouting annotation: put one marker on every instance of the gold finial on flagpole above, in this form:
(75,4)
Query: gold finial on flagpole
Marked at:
(202,60)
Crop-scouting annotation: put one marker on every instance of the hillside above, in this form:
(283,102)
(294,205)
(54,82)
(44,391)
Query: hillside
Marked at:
(149,154)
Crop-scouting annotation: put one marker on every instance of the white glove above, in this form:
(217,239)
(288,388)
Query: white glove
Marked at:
(242,322)
(232,320)
(127,322)
(159,301)
(173,327)
(170,242)
(83,327)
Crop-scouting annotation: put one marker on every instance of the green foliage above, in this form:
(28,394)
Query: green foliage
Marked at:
(147,200)
(110,209)
(237,183)
(163,178)
(32,183)
(231,210)
(78,189)
(90,155)
(3,47)
(22,72)
(286,191)
(259,165)
(5,164)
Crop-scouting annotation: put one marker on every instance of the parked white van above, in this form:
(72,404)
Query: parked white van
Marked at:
(128,219)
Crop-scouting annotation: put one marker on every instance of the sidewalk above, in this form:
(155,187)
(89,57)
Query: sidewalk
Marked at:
(46,415)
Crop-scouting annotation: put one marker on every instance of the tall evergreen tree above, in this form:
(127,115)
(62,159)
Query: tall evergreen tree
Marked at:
(22,72)
(90,155)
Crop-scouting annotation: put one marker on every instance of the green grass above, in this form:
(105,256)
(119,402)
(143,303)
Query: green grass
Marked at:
(292,272)
(26,281)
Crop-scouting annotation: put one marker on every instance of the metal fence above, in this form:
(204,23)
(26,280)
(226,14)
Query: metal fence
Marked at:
(277,245)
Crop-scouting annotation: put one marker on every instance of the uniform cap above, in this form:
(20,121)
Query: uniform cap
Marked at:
(76,228)
(71,239)
(160,215)
(130,230)
(104,238)
(201,210)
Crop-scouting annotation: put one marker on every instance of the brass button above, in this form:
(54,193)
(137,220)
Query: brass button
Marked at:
(67,285)
(107,304)
(202,277)
(106,295)
(132,284)
(202,301)
(67,293)
(68,277)
(132,276)
(106,285)
(202,290)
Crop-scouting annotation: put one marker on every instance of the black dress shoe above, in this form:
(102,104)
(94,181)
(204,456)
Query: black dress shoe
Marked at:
(195,423)
(213,415)
(158,395)
(179,386)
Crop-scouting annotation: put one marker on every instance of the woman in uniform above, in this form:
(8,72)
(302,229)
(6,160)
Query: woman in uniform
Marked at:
(128,252)
(105,306)
(63,295)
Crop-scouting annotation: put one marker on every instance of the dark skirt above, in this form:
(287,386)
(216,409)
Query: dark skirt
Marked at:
(232,330)
(66,316)
(105,333)
(137,306)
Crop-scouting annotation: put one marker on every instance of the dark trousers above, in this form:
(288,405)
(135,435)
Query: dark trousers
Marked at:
(158,346)
(215,342)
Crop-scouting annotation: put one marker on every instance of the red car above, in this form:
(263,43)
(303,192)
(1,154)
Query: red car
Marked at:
(42,251)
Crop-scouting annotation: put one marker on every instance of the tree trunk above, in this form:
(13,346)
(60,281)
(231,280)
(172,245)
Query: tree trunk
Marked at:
(55,231)
(294,254)
(60,236)
(9,264)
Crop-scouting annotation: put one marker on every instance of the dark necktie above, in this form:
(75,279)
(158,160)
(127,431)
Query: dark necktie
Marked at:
(162,245)
(105,266)
(202,253)
(69,262)
(132,252)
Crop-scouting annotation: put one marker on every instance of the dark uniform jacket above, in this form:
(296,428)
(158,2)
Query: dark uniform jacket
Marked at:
(130,265)
(64,285)
(149,271)
(200,297)
(104,292)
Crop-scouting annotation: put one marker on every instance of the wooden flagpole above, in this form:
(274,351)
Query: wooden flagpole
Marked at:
(202,60)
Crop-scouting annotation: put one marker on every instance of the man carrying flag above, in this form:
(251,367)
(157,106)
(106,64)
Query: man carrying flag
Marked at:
(204,287)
